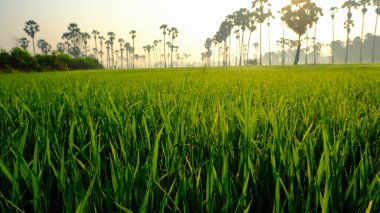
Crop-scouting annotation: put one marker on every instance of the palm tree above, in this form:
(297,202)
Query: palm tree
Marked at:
(349,23)
(237,36)
(260,6)
(154,48)
(315,38)
(73,36)
(144,48)
(31,28)
(85,37)
(229,19)
(133,34)
(208,44)
(269,15)
(214,41)
(225,32)
(24,43)
(237,19)
(242,19)
(108,44)
(121,42)
(178,57)
(101,56)
(159,51)
(306,51)
(44,46)
(128,49)
(148,50)
(117,56)
(282,40)
(111,37)
(377,4)
(101,39)
(163,28)
(333,10)
(65,36)
(136,56)
(363,4)
(256,46)
(61,47)
(299,16)
(169,45)
(95,33)
(173,32)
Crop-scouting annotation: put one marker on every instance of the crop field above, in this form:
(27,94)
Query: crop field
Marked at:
(260,139)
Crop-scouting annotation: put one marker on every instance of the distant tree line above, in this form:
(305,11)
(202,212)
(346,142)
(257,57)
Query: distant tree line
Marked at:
(20,59)
(74,51)
(108,50)
(302,18)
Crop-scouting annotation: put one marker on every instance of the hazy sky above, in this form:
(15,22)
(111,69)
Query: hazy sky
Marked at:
(195,19)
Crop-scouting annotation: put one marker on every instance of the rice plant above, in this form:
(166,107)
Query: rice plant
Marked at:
(268,139)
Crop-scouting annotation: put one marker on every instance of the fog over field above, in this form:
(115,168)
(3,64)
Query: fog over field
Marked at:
(196,20)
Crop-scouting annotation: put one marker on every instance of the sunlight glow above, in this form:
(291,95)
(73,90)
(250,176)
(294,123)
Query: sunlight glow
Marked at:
(196,20)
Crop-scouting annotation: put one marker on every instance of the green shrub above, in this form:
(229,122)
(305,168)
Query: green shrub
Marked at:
(84,64)
(22,60)
(52,62)
(4,61)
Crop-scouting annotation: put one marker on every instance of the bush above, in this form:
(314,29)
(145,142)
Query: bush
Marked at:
(84,64)
(22,60)
(52,62)
(5,59)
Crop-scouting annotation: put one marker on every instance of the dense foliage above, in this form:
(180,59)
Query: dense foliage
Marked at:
(304,139)
(19,59)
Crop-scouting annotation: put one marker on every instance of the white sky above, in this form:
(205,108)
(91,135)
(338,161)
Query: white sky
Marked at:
(195,19)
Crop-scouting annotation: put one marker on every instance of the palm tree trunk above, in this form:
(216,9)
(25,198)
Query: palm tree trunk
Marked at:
(108,59)
(171,55)
(101,49)
(333,42)
(121,59)
(34,47)
(159,55)
(112,57)
(155,58)
(126,58)
(165,50)
(261,61)
(214,53)
(149,63)
(307,46)
(229,57)
(270,55)
(361,40)
(374,40)
(96,47)
(249,41)
(241,48)
(347,46)
(315,47)
(236,51)
(283,43)
(298,51)
(225,53)
(133,51)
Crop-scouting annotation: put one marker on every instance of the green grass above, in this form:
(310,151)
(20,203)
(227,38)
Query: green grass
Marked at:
(269,139)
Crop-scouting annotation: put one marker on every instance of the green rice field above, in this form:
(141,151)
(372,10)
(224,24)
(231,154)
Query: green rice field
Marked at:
(259,139)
